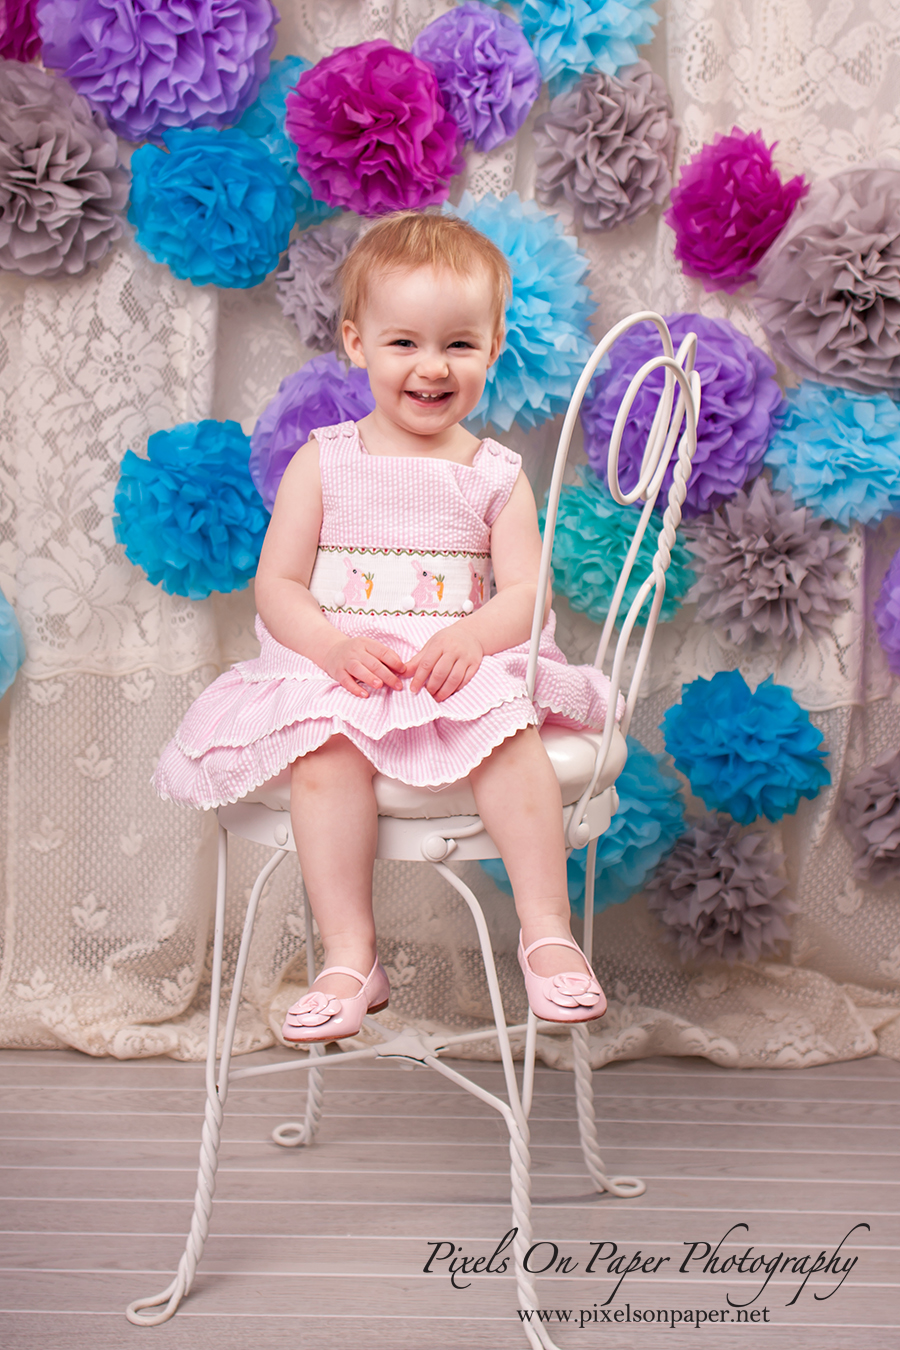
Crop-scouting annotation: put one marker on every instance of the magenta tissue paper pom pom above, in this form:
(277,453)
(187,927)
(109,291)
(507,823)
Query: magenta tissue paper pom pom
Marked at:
(487,74)
(149,65)
(19,36)
(371,131)
(727,207)
(887,614)
(322,393)
(739,409)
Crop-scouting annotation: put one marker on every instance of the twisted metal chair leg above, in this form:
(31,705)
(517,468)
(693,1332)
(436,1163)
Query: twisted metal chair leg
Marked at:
(216,1094)
(296,1133)
(624,1187)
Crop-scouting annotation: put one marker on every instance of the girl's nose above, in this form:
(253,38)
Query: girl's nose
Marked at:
(432,366)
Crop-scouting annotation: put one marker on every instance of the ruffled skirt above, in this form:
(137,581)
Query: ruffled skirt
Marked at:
(261,715)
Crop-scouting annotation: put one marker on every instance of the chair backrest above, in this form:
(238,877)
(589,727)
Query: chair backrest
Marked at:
(662,440)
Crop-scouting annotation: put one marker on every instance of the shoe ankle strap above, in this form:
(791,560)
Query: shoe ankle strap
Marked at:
(552,942)
(342,970)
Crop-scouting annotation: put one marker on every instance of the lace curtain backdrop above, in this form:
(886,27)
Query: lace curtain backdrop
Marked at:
(108,891)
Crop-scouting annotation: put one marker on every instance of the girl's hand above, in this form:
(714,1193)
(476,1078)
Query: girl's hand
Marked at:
(446,663)
(355,662)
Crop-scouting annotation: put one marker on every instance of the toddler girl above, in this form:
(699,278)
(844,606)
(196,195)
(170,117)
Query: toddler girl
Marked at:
(383,650)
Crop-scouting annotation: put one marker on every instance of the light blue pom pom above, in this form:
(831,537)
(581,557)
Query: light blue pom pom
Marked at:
(750,754)
(593,536)
(12,644)
(547,341)
(571,37)
(189,514)
(264,120)
(839,453)
(649,820)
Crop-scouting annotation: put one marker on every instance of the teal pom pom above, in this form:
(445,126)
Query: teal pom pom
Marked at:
(750,754)
(264,120)
(593,536)
(189,514)
(647,824)
(571,37)
(213,208)
(547,341)
(839,453)
(12,644)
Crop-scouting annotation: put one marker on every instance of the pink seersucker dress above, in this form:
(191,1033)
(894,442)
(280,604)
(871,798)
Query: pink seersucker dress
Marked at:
(404,551)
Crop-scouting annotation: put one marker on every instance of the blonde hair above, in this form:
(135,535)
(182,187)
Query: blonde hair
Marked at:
(407,240)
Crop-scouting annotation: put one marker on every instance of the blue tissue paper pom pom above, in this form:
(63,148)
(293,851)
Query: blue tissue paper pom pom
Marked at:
(546,319)
(213,208)
(264,120)
(12,644)
(593,536)
(189,514)
(571,37)
(646,826)
(838,452)
(750,754)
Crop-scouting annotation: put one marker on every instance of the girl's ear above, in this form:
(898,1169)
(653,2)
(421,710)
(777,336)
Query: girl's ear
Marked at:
(353,343)
(496,344)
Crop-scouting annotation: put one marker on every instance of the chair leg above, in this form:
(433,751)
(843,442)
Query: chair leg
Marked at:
(624,1187)
(296,1133)
(216,1095)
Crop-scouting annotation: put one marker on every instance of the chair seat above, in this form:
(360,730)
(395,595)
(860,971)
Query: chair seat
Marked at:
(572,754)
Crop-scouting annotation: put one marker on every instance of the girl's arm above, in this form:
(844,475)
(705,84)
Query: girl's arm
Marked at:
(449,659)
(285,604)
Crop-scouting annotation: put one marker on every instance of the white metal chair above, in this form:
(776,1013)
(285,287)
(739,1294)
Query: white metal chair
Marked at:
(432,826)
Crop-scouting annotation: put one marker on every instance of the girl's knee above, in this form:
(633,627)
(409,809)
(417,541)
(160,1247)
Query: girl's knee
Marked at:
(338,756)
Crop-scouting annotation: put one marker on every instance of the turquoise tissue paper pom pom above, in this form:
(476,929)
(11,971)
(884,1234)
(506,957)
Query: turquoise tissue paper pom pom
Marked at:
(838,452)
(12,644)
(547,317)
(264,120)
(213,208)
(593,536)
(189,514)
(571,37)
(646,826)
(750,754)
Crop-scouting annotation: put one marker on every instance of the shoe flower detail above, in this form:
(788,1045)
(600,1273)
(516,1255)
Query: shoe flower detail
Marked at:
(314,1009)
(573,991)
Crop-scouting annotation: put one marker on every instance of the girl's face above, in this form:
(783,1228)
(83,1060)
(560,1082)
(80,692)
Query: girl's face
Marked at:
(426,339)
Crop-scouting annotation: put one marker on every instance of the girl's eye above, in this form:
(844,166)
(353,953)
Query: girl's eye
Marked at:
(402,342)
(460,344)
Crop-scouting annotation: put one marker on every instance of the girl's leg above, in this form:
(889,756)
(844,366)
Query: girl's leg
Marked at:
(518,799)
(335,823)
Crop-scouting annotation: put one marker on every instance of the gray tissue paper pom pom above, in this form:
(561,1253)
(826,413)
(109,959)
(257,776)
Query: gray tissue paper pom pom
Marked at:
(606,146)
(766,567)
(61,184)
(829,286)
(306,282)
(870,815)
(718,893)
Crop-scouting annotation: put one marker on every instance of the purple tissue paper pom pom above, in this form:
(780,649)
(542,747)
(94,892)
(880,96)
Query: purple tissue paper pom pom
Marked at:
(727,207)
(739,409)
(19,36)
(371,131)
(887,614)
(321,394)
(487,74)
(148,65)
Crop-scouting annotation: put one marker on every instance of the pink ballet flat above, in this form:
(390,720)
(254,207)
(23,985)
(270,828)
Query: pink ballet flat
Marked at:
(574,996)
(318,1016)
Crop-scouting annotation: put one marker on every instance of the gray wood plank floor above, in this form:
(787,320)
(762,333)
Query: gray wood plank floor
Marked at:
(324,1248)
